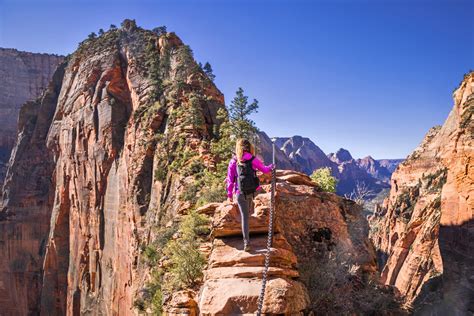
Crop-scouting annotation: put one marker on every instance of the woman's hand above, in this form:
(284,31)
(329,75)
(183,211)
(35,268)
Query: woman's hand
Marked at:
(229,199)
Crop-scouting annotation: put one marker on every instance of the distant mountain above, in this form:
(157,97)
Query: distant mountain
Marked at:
(351,173)
(342,155)
(375,169)
(390,164)
(265,152)
(305,156)
(304,153)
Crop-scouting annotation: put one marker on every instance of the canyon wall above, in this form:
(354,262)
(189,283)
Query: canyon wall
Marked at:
(93,172)
(23,76)
(424,229)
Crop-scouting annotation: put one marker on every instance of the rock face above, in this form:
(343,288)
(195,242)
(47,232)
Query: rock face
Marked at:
(23,76)
(424,230)
(94,169)
(311,227)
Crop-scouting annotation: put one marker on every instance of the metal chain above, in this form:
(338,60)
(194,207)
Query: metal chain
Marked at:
(269,244)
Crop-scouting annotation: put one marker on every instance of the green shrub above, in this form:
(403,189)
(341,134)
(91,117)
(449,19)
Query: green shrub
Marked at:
(190,193)
(150,255)
(186,261)
(324,179)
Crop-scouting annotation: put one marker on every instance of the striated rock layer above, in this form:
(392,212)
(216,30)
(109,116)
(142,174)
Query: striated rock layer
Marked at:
(424,229)
(23,76)
(99,160)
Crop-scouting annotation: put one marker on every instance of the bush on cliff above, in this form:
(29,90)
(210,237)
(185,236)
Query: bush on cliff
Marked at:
(186,262)
(178,263)
(324,179)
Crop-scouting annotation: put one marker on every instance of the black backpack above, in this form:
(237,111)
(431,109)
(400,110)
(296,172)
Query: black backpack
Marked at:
(247,177)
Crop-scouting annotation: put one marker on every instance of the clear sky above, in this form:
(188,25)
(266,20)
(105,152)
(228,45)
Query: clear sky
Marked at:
(369,76)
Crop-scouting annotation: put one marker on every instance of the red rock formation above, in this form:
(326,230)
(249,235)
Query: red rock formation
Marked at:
(23,76)
(82,192)
(106,156)
(424,229)
(313,231)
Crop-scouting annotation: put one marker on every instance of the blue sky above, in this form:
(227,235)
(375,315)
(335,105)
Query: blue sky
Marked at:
(369,76)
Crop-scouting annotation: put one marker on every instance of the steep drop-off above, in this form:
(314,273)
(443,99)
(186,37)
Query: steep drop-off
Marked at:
(424,230)
(99,160)
(23,76)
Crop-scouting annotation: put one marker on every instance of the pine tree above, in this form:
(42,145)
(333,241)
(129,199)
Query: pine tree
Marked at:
(101,32)
(160,30)
(92,35)
(239,111)
(113,26)
(208,71)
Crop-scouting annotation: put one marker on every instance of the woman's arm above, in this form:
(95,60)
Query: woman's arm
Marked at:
(231,176)
(258,165)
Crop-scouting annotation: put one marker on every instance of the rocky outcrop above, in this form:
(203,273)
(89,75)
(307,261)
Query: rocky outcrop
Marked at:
(320,258)
(23,76)
(100,159)
(424,229)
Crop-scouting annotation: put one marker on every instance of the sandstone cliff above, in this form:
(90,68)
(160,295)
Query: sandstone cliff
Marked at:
(101,157)
(424,229)
(23,76)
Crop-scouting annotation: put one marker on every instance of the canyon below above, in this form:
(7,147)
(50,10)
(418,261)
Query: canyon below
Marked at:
(105,160)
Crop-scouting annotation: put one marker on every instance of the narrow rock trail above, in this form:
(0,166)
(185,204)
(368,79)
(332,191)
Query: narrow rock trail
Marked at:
(233,277)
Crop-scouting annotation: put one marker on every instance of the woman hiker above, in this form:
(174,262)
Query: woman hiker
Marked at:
(243,181)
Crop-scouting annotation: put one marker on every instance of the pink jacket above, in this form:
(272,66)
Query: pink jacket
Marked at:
(232,172)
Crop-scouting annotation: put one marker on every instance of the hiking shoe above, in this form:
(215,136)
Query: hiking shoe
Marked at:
(247,247)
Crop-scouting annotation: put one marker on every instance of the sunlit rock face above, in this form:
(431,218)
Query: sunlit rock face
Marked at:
(81,194)
(424,229)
